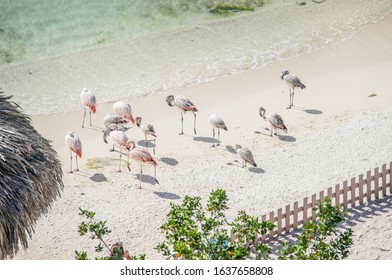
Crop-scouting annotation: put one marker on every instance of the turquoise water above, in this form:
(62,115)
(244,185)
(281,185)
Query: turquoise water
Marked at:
(123,49)
(36,29)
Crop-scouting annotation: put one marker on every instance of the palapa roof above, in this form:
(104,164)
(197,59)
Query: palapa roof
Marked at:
(30,177)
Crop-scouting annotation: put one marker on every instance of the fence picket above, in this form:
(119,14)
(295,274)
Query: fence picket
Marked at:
(345,190)
(295,215)
(384,180)
(313,207)
(305,211)
(353,187)
(376,182)
(360,189)
(288,214)
(337,195)
(369,186)
(278,220)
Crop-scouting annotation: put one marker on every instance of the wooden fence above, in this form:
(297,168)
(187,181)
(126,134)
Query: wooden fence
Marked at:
(365,188)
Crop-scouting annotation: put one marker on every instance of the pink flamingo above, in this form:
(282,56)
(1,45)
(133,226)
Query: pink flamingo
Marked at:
(120,140)
(89,101)
(124,110)
(142,156)
(148,129)
(275,121)
(74,145)
(293,82)
(113,121)
(184,105)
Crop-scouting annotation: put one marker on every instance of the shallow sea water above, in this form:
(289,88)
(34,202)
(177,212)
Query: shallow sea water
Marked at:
(166,45)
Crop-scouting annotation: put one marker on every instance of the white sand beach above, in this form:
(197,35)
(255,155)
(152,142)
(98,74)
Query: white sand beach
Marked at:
(335,132)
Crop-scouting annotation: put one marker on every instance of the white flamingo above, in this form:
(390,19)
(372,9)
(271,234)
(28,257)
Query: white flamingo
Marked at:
(142,156)
(124,110)
(75,146)
(293,82)
(245,155)
(217,123)
(275,121)
(120,140)
(89,102)
(113,120)
(184,105)
(148,129)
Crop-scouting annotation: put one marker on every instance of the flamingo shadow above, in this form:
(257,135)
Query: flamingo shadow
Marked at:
(98,177)
(167,195)
(231,149)
(205,139)
(96,128)
(308,111)
(256,170)
(313,111)
(150,144)
(287,138)
(169,161)
(147,179)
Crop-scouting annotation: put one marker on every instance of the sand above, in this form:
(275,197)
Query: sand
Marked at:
(335,131)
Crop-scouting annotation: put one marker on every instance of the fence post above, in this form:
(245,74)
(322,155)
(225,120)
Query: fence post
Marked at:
(305,211)
(280,221)
(353,187)
(369,186)
(390,177)
(313,206)
(287,218)
(360,185)
(329,193)
(295,216)
(272,220)
(376,182)
(384,180)
(345,194)
(337,195)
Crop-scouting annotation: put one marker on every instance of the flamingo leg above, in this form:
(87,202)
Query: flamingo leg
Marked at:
(70,169)
(153,149)
(119,165)
(129,168)
(292,100)
(84,116)
(90,118)
(271,129)
(182,124)
(141,172)
(194,123)
(77,167)
(213,136)
(155,174)
(218,137)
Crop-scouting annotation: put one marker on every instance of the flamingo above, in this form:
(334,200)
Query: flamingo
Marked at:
(124,110)
(274,120)
(184,105)
(245,155)
(120,140)
(89,101)
(293,82)
(74,145)
(113,120)
(142,156)
(218,123)
(148,129)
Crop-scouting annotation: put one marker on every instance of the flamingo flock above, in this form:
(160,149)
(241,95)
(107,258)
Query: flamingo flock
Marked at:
(116,124)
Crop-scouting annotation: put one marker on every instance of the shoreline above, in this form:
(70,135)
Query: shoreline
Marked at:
(331,129)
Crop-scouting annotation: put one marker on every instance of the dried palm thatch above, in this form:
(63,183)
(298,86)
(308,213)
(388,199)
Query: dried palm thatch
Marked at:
(30,177)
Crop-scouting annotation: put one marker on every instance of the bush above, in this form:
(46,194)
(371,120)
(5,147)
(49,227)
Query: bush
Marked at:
(194,233)
(321,240)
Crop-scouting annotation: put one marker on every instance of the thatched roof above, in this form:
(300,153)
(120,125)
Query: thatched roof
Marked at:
(30,177)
